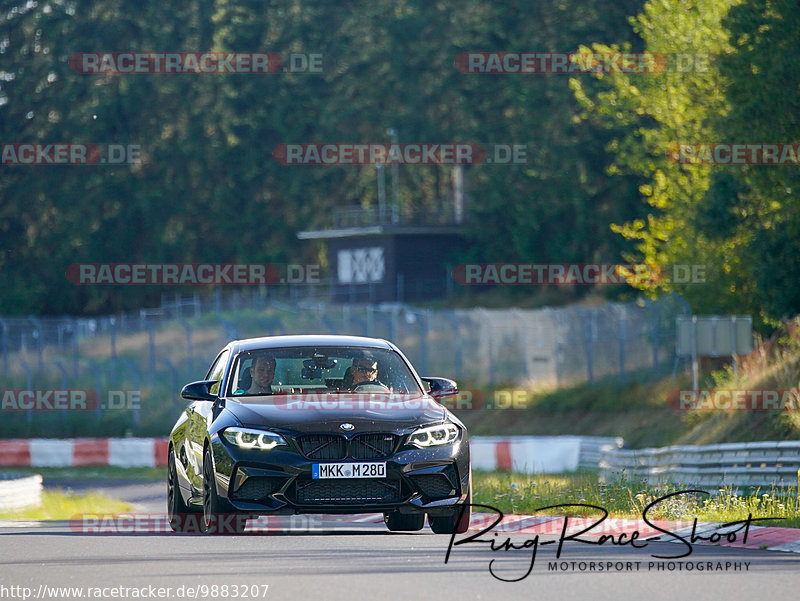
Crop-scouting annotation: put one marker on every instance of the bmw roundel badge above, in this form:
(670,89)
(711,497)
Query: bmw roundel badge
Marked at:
(347,427)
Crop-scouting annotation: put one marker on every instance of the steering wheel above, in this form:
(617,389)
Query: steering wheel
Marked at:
(379,386)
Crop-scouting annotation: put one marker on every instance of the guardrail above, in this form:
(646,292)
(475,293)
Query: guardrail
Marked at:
(592,448)
(20,493)
(734,464)
(539,454)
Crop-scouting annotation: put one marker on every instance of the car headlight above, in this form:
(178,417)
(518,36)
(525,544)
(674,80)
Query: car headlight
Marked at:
(434,436)
(247,438)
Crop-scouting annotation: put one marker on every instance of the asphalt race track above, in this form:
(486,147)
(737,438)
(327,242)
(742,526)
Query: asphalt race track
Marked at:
(359,560)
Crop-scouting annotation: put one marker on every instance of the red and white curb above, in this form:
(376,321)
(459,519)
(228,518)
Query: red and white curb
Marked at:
(73,452)
(767,538)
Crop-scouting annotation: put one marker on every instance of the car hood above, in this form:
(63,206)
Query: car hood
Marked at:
(327,412)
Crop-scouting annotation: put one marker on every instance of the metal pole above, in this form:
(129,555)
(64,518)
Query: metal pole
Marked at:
(621,338)
(490,343)
(189,353)
(28,386)
(694,353)
(455,331)
(5,346)
(112,327)
(137,388)
(64,384)
(589,349)
(656,334)
(174,375)
(75,351)
(152,351)
(381,193)
(37,333)
(733,348)
(423,340)
(395,175)
(98,388)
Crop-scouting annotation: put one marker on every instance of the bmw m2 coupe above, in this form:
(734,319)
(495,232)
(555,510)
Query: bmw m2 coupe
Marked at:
(318,424)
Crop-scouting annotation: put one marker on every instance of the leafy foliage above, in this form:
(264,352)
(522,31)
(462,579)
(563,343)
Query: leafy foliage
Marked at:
(741,221)
(208,188)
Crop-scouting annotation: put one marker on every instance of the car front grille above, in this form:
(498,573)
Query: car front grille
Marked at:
(436,486)
(257,487)
(329,447)
(372,446)
(354,491)
(322,446)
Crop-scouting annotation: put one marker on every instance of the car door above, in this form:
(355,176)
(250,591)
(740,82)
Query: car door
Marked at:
(198,415)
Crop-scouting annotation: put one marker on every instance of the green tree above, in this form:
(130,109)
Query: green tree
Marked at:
(689,218)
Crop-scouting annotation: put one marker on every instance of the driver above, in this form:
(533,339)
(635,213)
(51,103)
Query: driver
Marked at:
(363,370)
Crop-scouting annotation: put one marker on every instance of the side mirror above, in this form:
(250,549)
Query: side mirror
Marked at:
(441,387)
(199,391)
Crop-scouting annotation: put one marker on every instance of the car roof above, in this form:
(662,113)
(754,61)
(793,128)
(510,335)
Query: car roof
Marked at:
(274,342)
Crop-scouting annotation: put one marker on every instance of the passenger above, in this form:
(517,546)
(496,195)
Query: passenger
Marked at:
(262,373)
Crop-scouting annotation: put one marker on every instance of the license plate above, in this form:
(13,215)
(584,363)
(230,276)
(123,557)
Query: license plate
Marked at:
(321,471)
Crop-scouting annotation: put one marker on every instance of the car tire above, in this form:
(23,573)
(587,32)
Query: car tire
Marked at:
(218,516)
(404,522)
(177,510)
(456,522)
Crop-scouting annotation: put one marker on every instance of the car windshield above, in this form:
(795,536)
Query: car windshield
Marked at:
(317,369)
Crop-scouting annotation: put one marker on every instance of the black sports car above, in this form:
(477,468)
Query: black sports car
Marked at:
(318,424)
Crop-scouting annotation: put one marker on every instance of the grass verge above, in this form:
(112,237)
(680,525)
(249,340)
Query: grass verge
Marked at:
(99,472)
(525,494)
(62,506)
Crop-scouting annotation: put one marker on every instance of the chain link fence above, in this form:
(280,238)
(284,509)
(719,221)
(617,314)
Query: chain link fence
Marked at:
(156,351)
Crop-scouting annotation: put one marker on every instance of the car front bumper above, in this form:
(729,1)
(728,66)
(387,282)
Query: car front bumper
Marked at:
(279,481)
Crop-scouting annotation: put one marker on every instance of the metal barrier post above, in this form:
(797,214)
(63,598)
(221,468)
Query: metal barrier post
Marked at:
(189,353)
(5,346)
(37,334)
(64,384)
(151,342)
(136,385)
(28,386)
